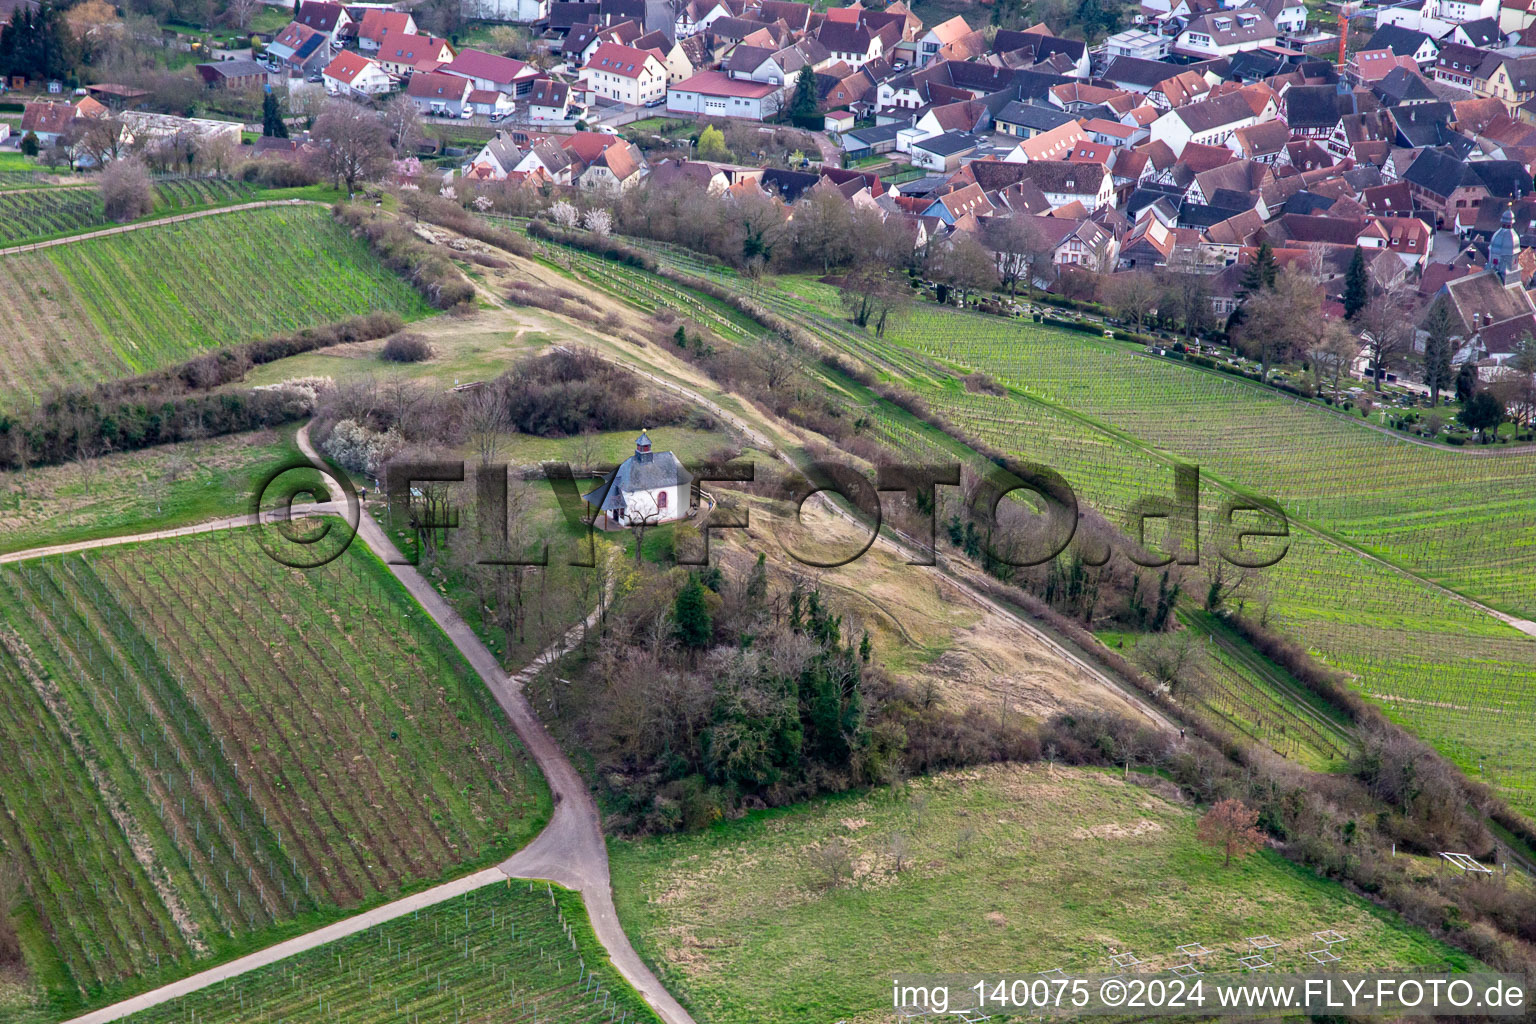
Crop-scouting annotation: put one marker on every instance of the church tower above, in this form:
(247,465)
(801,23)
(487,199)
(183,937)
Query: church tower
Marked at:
(1504,250)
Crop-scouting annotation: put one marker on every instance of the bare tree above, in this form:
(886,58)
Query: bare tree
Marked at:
(126,191)
(1020,248)
(352,143)
(961,263)
(488,422)
(832,861)
(1273,318)
(1335,352)
(1386,328)
(403,122)
(1135,296)
(1169,658)
(238,12)
(217,151)
(100,139)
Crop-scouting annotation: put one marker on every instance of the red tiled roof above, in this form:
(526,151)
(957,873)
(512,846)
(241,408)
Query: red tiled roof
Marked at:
(718,83)
(435,85)
(347,66)
(378,23)
(619,59)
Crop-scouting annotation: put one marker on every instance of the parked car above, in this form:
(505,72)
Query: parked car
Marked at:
(467,113)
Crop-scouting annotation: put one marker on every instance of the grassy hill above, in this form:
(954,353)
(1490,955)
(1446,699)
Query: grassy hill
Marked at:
(129,303)
(217,750)
(1005,870)
(1114,423)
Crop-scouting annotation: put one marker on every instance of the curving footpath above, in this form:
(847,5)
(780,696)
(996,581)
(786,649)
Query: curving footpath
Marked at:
(570,850)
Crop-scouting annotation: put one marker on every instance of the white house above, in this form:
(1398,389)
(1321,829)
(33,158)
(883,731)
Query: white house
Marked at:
(716,94)
(548,100)
(647,488)
(1224,33)
(436,93)
(524,11)
(406,54)
(352,74)
(1210,122)
(379,24)
(626,75)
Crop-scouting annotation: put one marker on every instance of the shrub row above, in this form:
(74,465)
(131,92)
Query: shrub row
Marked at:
(449,214)
(157,408)
(401,251)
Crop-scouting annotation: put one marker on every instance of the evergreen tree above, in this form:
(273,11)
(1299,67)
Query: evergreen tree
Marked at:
(757,581)
(690,616)
(272,125)
(1261,273)
(1482,414)
(681,336)
(1437,352)
(38,44)
(29,144)
(1357,286)
(1466,382)
(803,107)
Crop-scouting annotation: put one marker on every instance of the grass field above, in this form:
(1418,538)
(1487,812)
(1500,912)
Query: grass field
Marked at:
(216,750)
(130,492)
(1008,869)
(512,954)
(1450,672)
(27,216)
(145,299)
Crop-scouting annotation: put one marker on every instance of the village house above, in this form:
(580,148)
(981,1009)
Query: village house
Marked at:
(636,78)
(407,54)
(352,74)
(379,23)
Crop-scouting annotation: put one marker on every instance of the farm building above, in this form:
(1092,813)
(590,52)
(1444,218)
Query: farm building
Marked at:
(648,488)
(233,74)
(716,94)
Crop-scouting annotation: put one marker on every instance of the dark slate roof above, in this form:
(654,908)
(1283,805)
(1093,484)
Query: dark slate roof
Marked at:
(789,184)
(1307,203)
(1034,115)
(1255,65)
(1042,45)
(1401,86)
(1403,42)
(640,472)
(1423,124)
(1441,172)
(951,143)
(1313,106)
(1482,32)
(1139,71)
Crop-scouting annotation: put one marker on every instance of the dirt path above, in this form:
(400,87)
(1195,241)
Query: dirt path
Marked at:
(571,849)
(177,219)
